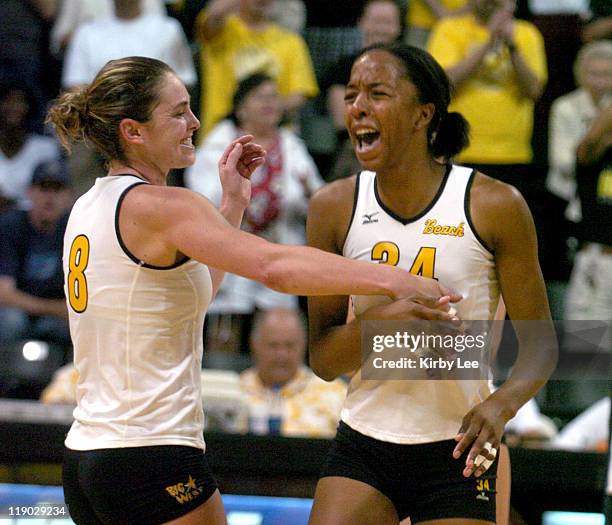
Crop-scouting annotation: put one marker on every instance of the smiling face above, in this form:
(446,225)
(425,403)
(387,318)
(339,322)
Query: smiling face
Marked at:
(382,111)
(167,138)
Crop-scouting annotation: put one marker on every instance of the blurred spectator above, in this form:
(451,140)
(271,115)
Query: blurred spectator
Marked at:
(572,115)
(290,14)
(23,27)
(280,188)
(379,22)
(423,14)
(560,22)
(590,288)
(600,24)
(588,431)
(62,388)
(20,150)
(130,31)
(32,303)
(284,395)
(238,39)
(74,13)
(498,66)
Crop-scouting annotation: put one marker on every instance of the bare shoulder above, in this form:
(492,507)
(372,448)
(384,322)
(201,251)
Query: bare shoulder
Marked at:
(496,207)
(156,206)
(330,212)
(493,197)
(338,193)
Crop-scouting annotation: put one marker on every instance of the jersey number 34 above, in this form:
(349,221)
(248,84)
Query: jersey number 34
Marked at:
(424,264)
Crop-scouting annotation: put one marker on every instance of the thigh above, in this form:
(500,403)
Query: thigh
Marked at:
(504,482)
(344,501)
(211,512)
(441,493)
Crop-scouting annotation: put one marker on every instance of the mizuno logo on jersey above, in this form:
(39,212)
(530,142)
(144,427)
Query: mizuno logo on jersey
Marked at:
(432,227)
(368,218)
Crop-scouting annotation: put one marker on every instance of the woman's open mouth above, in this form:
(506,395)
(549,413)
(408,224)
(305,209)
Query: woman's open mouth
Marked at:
(366,140)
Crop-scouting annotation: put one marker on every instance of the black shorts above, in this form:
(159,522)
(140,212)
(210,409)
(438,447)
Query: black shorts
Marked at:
(139,485)
(422,481)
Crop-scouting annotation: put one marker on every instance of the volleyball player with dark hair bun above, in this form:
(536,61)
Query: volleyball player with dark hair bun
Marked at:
(425,449)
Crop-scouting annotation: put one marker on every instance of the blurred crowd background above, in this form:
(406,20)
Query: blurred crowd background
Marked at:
(533,78)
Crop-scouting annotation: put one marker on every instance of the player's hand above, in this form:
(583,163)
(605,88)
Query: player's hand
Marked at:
(238,162)
(416,307)
(409,285)
(481,431)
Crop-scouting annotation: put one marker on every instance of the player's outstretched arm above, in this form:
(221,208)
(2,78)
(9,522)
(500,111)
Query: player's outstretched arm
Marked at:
(176,221)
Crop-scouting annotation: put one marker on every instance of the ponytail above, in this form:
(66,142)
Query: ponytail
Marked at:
(68,116)
(451,136)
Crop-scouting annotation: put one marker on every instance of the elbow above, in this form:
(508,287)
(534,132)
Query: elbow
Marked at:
(278,269)
(323,370)
(275,275)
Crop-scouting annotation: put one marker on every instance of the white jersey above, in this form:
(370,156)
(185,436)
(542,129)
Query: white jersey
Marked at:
(440,242)
(137,333)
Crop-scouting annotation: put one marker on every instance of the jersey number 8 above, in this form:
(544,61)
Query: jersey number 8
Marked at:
(76,280)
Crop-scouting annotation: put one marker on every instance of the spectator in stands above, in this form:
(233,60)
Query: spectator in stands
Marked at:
(572,115)
(74,13)
(290,14)
(23,24)
(32,303)
(600,24)
(20,150)
(423,14)
(307,405)
(238,39)
(587,431)
(590,289)
(380,21)
(129,32)
(280,189)
(498,67)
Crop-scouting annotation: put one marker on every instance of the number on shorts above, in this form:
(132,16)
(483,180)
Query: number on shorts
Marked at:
(77,282)
(424,264)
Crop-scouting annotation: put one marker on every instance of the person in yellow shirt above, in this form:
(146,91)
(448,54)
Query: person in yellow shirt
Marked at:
(238,39)
(423,14)
(284,396)
(498,67)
